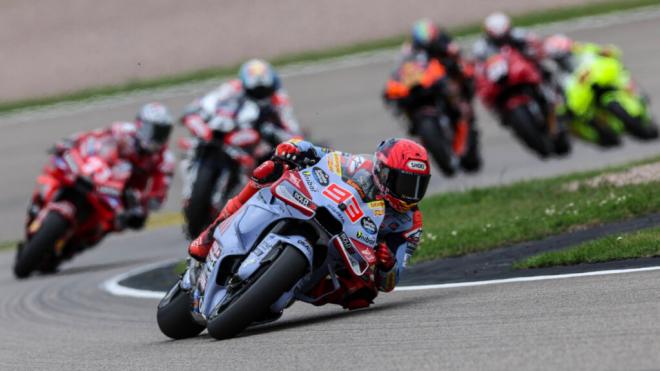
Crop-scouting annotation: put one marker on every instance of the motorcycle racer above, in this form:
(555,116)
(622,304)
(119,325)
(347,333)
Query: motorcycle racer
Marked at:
(395,178)
(133,151)
(498,33)
(257,83)
(429,42)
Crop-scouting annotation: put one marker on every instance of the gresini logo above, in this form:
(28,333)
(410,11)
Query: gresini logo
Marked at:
(321,176)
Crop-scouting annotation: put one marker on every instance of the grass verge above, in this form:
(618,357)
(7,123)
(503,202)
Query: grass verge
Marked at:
(640,244)
(6,245)
(460,223)
(533,18)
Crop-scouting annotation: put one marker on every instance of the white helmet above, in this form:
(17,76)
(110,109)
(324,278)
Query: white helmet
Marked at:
(154,126)
(497,25)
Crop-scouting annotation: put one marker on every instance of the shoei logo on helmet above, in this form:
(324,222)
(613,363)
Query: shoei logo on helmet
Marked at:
(416,165)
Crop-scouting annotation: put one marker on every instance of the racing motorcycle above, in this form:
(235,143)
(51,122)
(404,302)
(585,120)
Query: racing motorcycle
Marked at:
(512,86)
(600,87)
(79,205)
(310,227)
(219,166)
(420,90)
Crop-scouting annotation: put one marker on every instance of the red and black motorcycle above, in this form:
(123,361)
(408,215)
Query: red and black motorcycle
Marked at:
(419,89)
(217,166)
(74,207)
(512,86)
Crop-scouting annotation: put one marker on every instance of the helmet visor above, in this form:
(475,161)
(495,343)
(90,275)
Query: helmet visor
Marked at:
(406,186)
(161,133)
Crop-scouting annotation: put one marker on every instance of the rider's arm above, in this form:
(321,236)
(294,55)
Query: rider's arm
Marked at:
(305,149)
(402,245)
(288,120)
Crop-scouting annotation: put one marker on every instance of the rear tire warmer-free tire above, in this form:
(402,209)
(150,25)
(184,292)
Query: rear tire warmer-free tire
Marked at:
(633,125)
(53,227)
(278,278)
(436,142)
(175,319)
(198,210)
(523,124)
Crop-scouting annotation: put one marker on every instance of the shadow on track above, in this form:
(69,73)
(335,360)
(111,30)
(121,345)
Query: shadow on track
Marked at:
(100,267)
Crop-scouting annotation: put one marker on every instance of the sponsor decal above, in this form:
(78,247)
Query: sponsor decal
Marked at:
(302,199)
(356,162)
(216,249)
(307,177)
(413,236)
(348,245)
(345,200)
(369,225)
(378,207)
(334,162)
(357,187)
(320,176)
(366,239)
(416,165)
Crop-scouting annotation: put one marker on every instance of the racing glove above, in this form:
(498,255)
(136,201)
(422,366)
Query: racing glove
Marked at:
(385,268)
(287,151)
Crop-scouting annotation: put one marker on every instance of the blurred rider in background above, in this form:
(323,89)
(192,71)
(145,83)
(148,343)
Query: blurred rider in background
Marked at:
(257,84)
(393,181)
(136,151)
(430,41)
(498,33)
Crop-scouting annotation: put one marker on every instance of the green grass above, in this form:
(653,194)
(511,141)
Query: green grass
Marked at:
(641,244)
(6,245)
(460,223)
(537,17)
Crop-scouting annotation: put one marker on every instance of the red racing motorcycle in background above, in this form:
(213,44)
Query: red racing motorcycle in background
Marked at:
(77,204)
(512,86)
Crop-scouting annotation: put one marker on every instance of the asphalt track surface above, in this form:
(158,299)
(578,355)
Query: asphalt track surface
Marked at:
(66,322)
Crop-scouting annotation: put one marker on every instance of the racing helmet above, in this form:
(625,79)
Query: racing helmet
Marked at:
(428,36)
(497,25)
(401,172)
(259,79)
(154,125)
(560,49)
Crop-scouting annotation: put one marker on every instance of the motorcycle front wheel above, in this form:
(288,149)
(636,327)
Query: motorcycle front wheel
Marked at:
(174,315)
(199,208)
(53,227)
(254,299)
(525,127)
(438,144)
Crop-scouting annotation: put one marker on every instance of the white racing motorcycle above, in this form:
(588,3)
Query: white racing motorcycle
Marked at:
(306,227)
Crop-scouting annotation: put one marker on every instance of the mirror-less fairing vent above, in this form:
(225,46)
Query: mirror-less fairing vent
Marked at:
(328,221)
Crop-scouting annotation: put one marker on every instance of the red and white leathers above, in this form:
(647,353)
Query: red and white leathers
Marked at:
(227,100)
(523,40)
(147,175)
(398,236)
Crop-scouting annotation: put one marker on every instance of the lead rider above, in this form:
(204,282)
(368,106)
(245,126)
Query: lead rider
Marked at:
(394,179)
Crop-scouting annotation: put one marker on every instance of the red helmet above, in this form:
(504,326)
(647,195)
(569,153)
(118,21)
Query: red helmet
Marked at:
(402,172)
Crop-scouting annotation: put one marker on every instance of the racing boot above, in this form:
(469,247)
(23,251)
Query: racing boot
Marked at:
(262,176)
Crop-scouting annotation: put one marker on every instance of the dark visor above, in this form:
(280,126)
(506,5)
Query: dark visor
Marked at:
(161,133)
(406,186)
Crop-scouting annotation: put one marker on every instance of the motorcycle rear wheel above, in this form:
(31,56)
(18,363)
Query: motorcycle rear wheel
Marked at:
(174,315)
(257,297)
(524,126)
(32,254)
(198,211)
(438,144)
(635,126)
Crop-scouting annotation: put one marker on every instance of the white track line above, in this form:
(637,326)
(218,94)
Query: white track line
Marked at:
(113,287)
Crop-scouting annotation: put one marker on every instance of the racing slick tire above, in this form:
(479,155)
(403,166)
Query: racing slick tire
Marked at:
(607,137)
(471,161)
(635,126)
(562,143)
(438,144)
(174,315)
(199,208)
(524,126)
(32,254)
(255,298)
